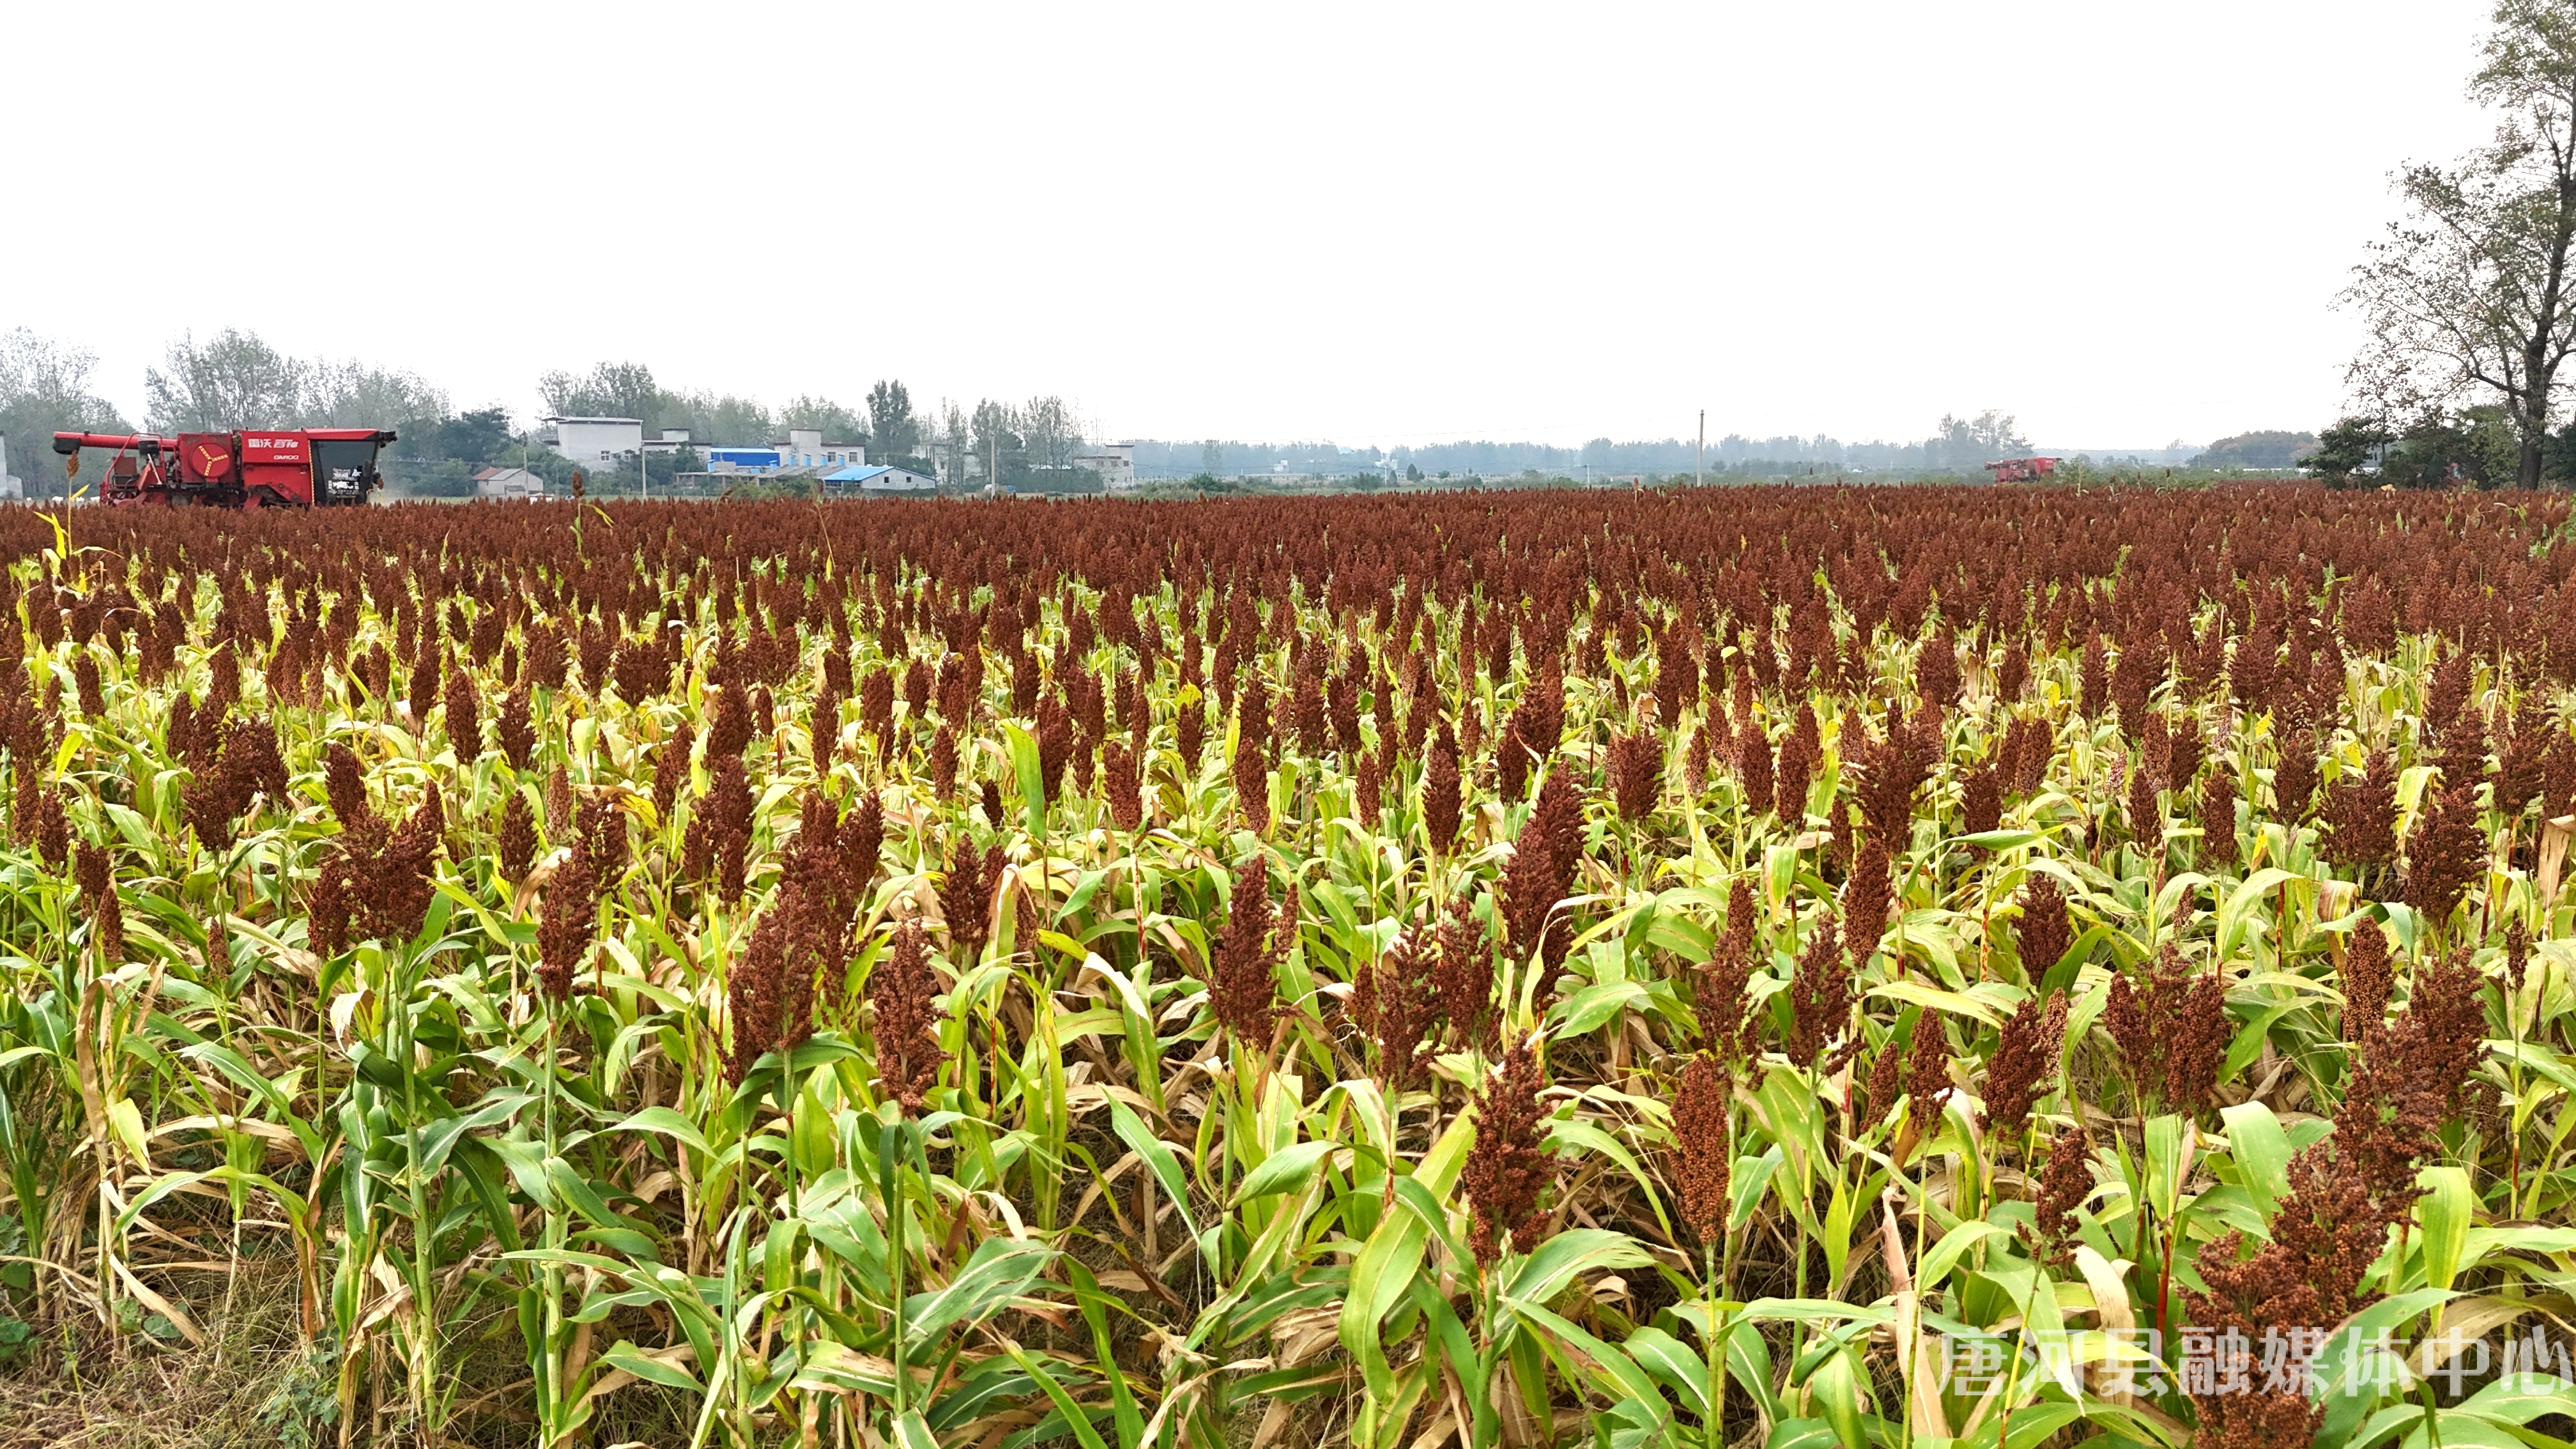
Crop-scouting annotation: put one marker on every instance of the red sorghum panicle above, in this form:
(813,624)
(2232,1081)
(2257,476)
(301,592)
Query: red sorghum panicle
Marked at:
(2445,1021)
(515,841)
(1189,730)
(2517,957)
(2344,1193)
(1936,670)
(1636,773)
(1512,761)
(1541,872)
(2093,679)
(1368,791)
(1820,997)
(95,870)
(724,813)
(1393,1002)
(2146,810)
(1981,798)
(755,990)
(1792,779)
(512,734)
(1252,783)
(2172,1029)
(943,762)
(1867,895)
(464,715)
(671,771)
(2361,815)
(1507,1168)
(1700,1134)
(1886,1079)
(344,783)
(2368,981)
(1441,791)
(2446,852)
(1055,748)
(2446,694)
(603,838)
(559,803)
(2063,1185)
(861,842)
(2044,932)
(1927,1071)
(1241,988)
(1539,719)
(401,884)
(1718,995)
(729,723)
(1462,971)
(823,729)
(2294,776)
(567,922)
(2025,1058)
(2218,817)
(1125,794)
(966,900)
(1751,753)
(2029,744)
(904,993)
(1892,767)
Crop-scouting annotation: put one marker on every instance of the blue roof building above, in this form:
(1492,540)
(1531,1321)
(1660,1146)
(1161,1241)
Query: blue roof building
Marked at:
(879,478)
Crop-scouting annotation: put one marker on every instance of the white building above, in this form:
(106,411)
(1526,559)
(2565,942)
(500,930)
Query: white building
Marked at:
(805,453)
(1115,463)
(10,484)
(593,441)
(808,448)
(513,483)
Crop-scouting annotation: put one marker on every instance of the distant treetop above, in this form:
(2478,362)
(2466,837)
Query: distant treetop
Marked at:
(2271,448)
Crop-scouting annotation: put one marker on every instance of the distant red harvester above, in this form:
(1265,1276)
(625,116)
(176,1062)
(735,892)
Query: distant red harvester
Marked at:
(2022,470)
(253,468)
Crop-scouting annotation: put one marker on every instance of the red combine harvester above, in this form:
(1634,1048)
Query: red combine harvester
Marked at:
(254,468)
(2022,470)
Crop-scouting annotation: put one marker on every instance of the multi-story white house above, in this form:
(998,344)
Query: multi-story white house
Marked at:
(592,441)
(805,453)
(1115,463)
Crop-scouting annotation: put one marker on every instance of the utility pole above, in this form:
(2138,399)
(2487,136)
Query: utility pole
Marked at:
(1699,458)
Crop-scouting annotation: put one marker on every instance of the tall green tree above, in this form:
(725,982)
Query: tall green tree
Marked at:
(952,437)
(1967,444)
(609,390)
(718,420)
(45,389)
(893,432)
(836,423)
(2468,295)
(237,380)
(233,380)
(1049,428)
(999,448)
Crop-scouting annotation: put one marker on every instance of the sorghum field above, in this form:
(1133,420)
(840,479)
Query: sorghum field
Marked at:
(1810,969)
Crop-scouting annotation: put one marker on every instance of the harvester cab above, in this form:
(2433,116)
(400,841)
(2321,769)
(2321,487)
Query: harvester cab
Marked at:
(253,468)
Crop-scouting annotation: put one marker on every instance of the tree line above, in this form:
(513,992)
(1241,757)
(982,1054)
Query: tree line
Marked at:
(237,379)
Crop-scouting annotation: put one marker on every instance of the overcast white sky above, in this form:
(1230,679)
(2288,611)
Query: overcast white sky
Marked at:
(1379,223)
